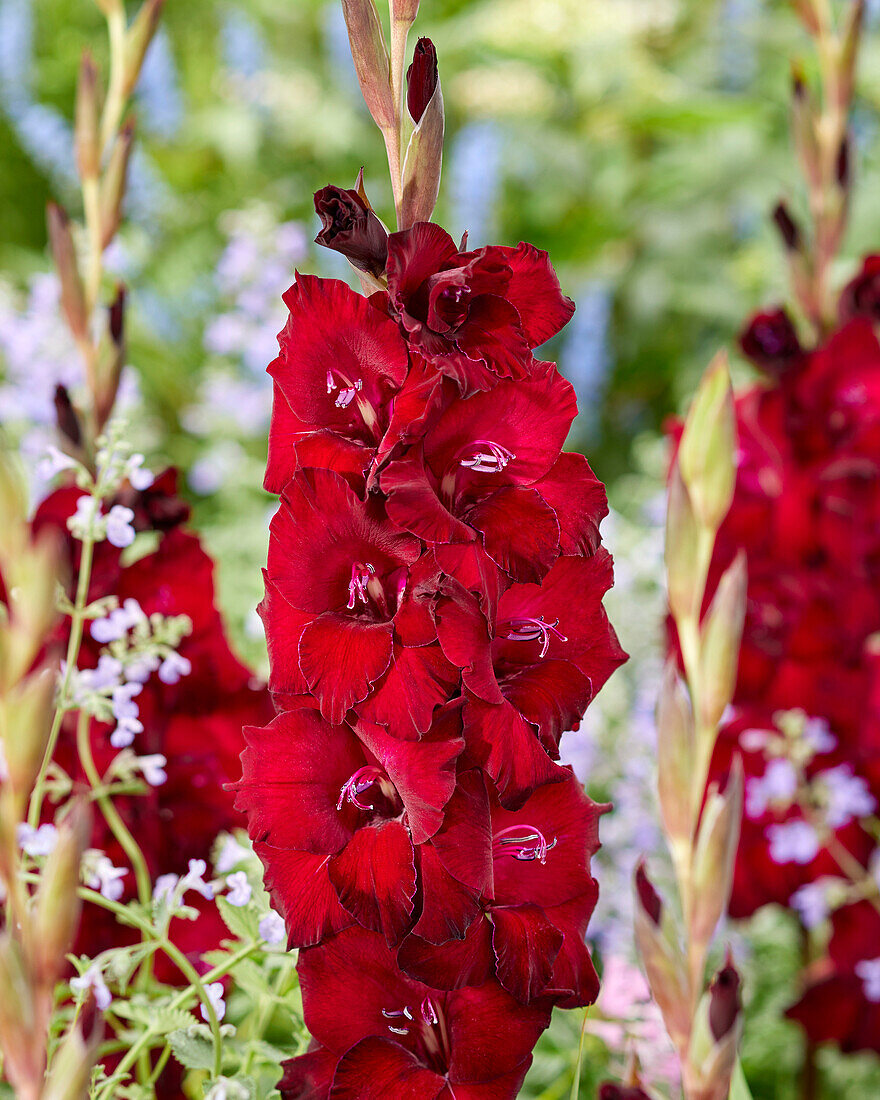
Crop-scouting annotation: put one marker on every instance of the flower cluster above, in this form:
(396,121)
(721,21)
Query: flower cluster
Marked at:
(805,720)
(160,682)
(434,617)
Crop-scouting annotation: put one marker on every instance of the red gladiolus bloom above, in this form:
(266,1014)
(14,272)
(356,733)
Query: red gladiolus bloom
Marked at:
(379,1034)
(474,315)
(535,912)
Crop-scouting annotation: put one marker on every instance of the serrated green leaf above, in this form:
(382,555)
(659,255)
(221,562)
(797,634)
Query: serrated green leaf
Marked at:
(192,1051)
(169,1019)
(242,921)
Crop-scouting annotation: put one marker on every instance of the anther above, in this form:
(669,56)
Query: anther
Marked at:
(533,630)
(523,842)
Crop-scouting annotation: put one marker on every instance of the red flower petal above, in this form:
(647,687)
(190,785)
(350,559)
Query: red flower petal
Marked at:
(293,770)
(418,681)
(454,962)
(464,843)
(309,1076)
(575,982)
(414,255)
(341,658)
(377,1069)
(335,339)
(423,772)
(302,893)
(535,292)
(579,500)
(552,695)
(448,907)
(508,747)
(285,431)
(526,945)
(375,878)
(413,503)
(520,532)
(490,1033)
(283,626)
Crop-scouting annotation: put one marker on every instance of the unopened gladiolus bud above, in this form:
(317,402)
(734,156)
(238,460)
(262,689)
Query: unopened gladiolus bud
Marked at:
(71,1069)
(788,228)
(349,226)
(88,152)
(724,1001)
(22,1023)
(849,52)
(719,649)
(66,416)
(706,451)
(113,183)
(804,128)
(675,757)
(73,299)
(137,41)
(771,341)
(610,1090)
(57,905)
(843,168)
(424,155)
(682,550)
(24,729)
(807,12)
(714,855)
(421,78)
(661,958)
(370,56)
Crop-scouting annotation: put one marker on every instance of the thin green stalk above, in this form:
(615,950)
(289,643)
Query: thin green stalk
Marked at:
(74,641)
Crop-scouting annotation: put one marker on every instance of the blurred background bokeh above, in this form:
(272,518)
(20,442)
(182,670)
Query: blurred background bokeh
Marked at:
(642,142)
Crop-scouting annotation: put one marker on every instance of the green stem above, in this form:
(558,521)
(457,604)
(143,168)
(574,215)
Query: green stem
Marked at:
(73,645)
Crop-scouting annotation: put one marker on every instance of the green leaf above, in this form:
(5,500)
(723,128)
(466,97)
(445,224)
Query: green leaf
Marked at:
(739,1088)
(192,1051)
(242,921)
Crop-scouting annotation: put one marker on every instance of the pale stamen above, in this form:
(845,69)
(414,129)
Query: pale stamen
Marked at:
(347,390)
(487,457)
(523,842)
(351,790)
(358,585)
(532,630)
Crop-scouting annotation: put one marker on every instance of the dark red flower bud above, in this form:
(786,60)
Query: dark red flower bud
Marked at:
(648,896)
(861,297)
(351,227)
(844,163)
(787,227)
(66,416)
(421,78)
(116,321)
(770,341)
(610,1090)
(724,1003)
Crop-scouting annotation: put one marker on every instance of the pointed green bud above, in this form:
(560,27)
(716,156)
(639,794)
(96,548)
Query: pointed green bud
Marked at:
(113,183)
(87,142)
(682,551)
(714,855)
(404,11)
(24,728)
(71,1069)
(371,63)
(721,635)
(137,41)
(854,20)
(22,1028)
(675,759)
(661,958)
(706,455)
(73,299)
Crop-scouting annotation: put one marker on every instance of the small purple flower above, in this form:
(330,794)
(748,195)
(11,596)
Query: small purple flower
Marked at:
(93,979)
(271,929)
(153,768)
(139,478)
(239,889)
(215,996)
(847,796)
(811,901)
(869,971)
(230,854)
(55,463)
(106,878)
(37,842)
(793,842)
(173,667)
(778,784)
(164,887)
(818,735)
(120,531)
(194,879)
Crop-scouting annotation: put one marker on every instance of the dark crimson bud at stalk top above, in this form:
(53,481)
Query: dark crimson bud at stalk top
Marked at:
(610,1090)
(724,1000)
(648,896)
(421,78)
(787,227)
(770,341)
(65,416)
(350,227)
